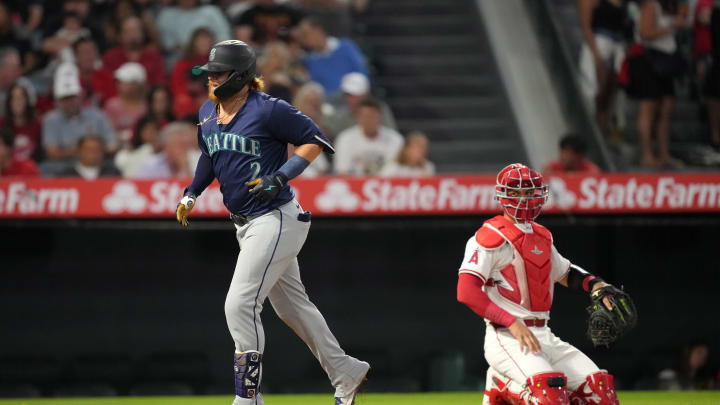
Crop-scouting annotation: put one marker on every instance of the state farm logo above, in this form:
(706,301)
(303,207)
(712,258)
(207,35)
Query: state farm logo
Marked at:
(337,196)
(21,199)
(560,196)
(124,197)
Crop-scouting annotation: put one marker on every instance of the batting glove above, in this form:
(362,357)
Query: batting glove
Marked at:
(267,187)
(183,209)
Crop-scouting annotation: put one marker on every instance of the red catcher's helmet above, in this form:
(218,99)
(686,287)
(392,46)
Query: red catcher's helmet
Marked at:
(521,192)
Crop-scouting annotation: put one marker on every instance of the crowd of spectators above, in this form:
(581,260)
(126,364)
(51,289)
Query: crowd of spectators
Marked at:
(91,88)
(651,50)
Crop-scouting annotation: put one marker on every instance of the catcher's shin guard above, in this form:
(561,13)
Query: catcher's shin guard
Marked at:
(248,373)
(597,389)
(496,390)
(546,389)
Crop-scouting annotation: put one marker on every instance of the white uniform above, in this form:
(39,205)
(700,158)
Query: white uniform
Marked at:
(502,283)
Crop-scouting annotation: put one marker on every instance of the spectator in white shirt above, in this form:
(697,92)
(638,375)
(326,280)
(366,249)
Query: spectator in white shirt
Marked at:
(145,144)
(365,148)
(412,159)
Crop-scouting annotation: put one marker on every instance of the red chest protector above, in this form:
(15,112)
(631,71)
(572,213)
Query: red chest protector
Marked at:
(529,278)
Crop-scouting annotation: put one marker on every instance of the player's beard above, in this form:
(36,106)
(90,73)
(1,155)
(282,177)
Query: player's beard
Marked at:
(211,92)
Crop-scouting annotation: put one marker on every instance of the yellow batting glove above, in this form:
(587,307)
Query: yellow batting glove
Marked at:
(253,184)
(183,209)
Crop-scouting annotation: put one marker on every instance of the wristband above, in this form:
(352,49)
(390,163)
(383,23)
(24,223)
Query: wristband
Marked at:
(579,279)
(293,167)
(188,200)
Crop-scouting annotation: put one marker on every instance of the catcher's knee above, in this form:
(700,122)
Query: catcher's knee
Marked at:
(597,389)
(548,389)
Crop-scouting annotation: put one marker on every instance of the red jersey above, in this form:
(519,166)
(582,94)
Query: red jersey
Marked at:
(586,167)
(702,43)
(151,60)
(27,139)
(180,72)
(21,168)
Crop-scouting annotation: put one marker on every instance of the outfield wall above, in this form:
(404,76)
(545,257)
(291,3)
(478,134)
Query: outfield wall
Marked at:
(149,296)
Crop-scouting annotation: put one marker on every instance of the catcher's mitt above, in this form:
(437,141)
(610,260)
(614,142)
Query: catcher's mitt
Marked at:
(605,326)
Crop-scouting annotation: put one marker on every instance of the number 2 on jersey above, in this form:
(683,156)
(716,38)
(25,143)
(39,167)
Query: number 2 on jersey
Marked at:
(255,166)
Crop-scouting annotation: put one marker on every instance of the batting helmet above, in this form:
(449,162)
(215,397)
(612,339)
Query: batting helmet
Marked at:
(521,191)
(230,56)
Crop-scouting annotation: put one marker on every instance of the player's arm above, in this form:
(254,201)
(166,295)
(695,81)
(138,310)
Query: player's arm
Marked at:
(204,175)
(266,188)
(579,279)
(470,293)
(309,151)
(290,126)
(474,271)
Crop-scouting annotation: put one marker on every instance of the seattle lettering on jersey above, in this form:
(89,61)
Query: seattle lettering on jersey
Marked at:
(231,142)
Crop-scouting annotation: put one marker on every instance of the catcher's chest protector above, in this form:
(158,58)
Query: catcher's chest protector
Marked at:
(529,272)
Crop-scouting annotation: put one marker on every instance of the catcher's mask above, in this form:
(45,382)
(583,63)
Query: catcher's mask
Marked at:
(232,56)
(521,192)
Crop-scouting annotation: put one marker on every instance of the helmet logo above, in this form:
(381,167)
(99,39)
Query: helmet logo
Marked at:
(212,55)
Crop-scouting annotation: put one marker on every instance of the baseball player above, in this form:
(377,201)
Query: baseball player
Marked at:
(243,135)
(507,277)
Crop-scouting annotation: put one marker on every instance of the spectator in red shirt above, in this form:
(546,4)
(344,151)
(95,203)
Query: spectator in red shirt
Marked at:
(132,48)
(196,53)
(9,166)
(21,120)
(97,83)
(186,105)
(572,158)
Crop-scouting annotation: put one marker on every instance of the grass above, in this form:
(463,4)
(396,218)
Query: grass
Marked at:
(471,398)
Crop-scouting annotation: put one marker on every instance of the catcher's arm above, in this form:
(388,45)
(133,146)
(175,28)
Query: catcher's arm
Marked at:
(578,279)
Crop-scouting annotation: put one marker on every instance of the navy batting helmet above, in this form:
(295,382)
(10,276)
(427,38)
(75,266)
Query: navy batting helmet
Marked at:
(230,56)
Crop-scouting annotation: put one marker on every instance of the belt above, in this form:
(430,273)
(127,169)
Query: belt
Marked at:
(239,220)
(539,323)
(242,220)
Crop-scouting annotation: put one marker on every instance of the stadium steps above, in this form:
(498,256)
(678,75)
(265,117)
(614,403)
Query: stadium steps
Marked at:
(690,130)
(447,107)
(433,63)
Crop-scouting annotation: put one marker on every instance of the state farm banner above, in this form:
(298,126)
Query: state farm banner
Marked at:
(343,196)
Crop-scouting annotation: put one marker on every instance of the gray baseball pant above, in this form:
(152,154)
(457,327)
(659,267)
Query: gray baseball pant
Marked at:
(267,266)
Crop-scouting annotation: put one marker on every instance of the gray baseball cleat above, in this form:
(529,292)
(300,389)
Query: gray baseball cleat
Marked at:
(349,398)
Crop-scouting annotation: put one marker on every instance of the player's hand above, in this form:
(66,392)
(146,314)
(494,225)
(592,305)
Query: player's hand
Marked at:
(183,209)
(522,334)
(605,300)
(267,187)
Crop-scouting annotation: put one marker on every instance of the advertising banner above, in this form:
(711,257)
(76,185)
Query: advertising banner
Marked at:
(364,196)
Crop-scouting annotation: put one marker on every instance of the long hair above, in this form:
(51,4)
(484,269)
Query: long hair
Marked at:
(167,113)
(29,113)
(257,84)
(409,139)
(144,121)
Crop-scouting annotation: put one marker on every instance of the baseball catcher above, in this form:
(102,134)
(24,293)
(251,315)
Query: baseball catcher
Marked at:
(507,277)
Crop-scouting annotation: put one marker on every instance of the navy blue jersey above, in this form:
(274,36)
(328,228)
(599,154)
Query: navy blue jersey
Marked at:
(253,144)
